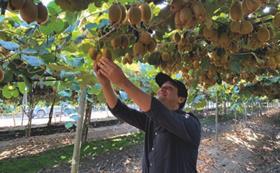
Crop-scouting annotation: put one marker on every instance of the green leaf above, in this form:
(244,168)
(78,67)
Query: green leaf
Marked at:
(32,60)
(9,45)
(15,93)
(6,92)
(22,87)
(95,90)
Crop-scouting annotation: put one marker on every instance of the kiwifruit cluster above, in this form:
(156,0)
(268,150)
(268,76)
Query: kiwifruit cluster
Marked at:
(276,21)
(1,75)
(188,13)
(73,5)
(96,54)
(29,11)
(120,42)
(136,13)
(145,43)
(184,43)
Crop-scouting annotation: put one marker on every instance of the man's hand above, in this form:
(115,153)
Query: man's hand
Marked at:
(112,72)
(100,77)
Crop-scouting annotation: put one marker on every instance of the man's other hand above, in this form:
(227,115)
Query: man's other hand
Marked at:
(112,72)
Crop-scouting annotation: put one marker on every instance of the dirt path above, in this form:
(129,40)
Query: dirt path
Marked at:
(253,147)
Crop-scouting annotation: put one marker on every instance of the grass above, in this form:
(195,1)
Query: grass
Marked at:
(50,158)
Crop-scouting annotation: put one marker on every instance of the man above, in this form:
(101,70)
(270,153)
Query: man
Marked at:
(172,136)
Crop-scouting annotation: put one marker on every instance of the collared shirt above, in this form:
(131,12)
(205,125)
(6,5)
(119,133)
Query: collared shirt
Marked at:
(171,137)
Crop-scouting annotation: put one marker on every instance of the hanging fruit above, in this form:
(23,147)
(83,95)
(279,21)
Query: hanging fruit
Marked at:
(29,12)
(42,14)
(1,75)
(235,11)
(146,13)
(16,4)
(115,13)
(134,15)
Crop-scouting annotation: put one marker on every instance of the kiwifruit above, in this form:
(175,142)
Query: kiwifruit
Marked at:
(124,42)
(176,5)
(123,9)
(263,34)
(185,15)
(233,47)
(42,14)
(253,5)
(134,15)
(106,53)
(245,8)
(92,53)
(165,56)
(214,36)
(154,58)
(16,4)
(146,13)
(246,27)
(235,11)
(115,13)
(207,33)
(176,37)
(152,45)
(178,23)
(116,42)
(138,49)
(276,21)
(2,75)
(29,11)
(235,26)
(199,11)
(224,40)
(145,37)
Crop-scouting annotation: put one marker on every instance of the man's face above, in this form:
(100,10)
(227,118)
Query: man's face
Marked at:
(168,94)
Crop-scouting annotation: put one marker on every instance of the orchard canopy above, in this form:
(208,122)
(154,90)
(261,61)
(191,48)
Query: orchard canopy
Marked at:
(206,41)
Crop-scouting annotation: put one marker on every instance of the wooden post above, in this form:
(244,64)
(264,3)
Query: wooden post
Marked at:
(216,117)
(78,136)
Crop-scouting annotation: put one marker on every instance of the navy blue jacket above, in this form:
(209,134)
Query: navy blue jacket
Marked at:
(171,137)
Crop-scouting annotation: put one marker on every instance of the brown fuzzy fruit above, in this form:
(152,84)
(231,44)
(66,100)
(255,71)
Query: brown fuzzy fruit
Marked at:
(246,27)
(92,53)
(115,13)
(2,75)
(235,11)
(263,34)
(176,5)
(138,49)
(176,37)
(42,14)
(245,8)
(146,13)
(152,45)
(235,27)
(123,9)
(276,21)
(16,4)
(29,12)
(134,15)
(145,37)
(224,40)
(185,15)
(178,23)
(207,33)
(165,56)
(124,42)
(116,42)
(253,5)
(106,53)
(199,11)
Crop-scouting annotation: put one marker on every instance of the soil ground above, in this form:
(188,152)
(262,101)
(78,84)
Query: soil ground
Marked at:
(244,147)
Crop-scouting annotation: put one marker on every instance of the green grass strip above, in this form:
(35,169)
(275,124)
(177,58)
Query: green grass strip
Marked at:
(50,158)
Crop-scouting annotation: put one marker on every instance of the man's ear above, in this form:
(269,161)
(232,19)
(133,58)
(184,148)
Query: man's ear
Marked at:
(181,99)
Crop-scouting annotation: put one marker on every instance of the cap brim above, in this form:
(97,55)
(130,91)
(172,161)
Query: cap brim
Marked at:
(161,78)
